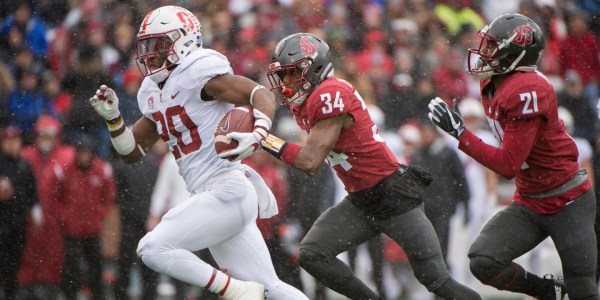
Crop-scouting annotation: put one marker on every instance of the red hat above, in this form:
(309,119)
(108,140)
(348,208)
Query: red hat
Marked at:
(47,125)
(10,132)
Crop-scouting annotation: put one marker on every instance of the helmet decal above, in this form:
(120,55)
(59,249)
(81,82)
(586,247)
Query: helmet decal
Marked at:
(523,35)
(186,20)
(308,46)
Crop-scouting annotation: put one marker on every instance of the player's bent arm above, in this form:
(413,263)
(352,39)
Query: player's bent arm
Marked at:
(132,144)
(308,159)
(240,90)
(519,138)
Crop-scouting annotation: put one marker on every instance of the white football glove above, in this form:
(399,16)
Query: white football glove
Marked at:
(248,142)
(106,103)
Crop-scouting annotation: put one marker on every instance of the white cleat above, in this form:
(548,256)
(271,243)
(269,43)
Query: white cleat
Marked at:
(245,290)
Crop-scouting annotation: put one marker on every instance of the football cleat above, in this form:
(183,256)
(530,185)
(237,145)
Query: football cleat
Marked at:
(245,290)
(557,290)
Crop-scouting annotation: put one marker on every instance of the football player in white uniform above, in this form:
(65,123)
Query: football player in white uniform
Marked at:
(185,92)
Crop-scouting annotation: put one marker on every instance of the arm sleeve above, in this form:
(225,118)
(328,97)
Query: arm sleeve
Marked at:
(519,138)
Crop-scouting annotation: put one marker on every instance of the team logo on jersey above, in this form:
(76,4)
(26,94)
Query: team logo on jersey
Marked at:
(308,46)
(524,35)
(151,102)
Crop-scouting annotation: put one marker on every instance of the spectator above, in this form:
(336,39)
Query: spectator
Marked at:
(580,52)
(85,71)
(130,83)
(482,181)
(449,77)
(27,102)
(28,26)
(375,61)
(40,274)
(17,196)
(134,184)
(455,14)
(7,84)
(88,192)
(449,186)
(584,147)
(572,97)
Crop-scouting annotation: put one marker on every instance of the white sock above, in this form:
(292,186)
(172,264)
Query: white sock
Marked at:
(218,282)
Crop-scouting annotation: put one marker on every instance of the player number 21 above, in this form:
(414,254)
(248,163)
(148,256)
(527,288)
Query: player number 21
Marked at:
(531,104)
(328,106)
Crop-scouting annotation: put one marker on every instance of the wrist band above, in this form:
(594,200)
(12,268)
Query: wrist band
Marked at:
(116,126)
(289,153)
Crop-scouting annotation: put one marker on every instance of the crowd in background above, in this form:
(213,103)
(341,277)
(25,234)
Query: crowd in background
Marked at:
(399,54)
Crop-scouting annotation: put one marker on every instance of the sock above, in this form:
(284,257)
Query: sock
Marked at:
(218,283)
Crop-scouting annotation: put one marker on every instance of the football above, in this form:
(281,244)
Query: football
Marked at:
(239,119)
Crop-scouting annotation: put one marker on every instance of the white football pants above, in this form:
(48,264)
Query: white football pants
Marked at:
(221,218)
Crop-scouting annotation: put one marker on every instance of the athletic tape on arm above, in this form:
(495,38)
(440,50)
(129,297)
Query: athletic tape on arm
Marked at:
(124,143)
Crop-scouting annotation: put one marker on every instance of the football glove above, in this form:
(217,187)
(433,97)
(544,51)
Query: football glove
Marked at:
(106,103)
(443,117)
(248,142)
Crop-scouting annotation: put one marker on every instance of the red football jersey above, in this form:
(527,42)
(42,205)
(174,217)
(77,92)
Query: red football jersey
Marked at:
(536,150)
(360,157)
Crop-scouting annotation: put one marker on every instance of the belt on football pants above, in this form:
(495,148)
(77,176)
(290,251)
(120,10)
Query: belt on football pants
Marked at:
(580,177)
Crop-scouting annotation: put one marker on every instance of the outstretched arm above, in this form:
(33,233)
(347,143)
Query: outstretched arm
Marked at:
(321,140)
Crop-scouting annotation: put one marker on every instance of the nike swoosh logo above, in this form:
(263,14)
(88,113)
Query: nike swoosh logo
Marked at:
(225,126)
(175,95)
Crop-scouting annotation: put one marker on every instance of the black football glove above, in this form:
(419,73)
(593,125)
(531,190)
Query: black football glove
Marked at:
(443,117)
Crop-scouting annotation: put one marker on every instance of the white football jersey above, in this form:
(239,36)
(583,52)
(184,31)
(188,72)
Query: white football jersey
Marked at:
(186,121)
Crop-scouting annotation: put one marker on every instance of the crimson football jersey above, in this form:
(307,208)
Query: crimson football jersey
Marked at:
(536,150)
(360,156)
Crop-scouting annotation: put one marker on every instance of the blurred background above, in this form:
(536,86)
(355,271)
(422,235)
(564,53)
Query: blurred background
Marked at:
(398,54)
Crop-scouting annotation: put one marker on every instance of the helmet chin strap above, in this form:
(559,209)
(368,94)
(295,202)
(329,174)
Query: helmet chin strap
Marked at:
(160,76)
(298,100)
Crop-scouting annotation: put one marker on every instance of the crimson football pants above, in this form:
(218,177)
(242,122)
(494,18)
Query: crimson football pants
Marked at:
(516,230)
(343,227)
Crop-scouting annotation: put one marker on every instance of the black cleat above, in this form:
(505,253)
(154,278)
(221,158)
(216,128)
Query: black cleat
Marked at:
(557,290)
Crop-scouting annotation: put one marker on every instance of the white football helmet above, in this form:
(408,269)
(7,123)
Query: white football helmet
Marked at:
(170,33)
